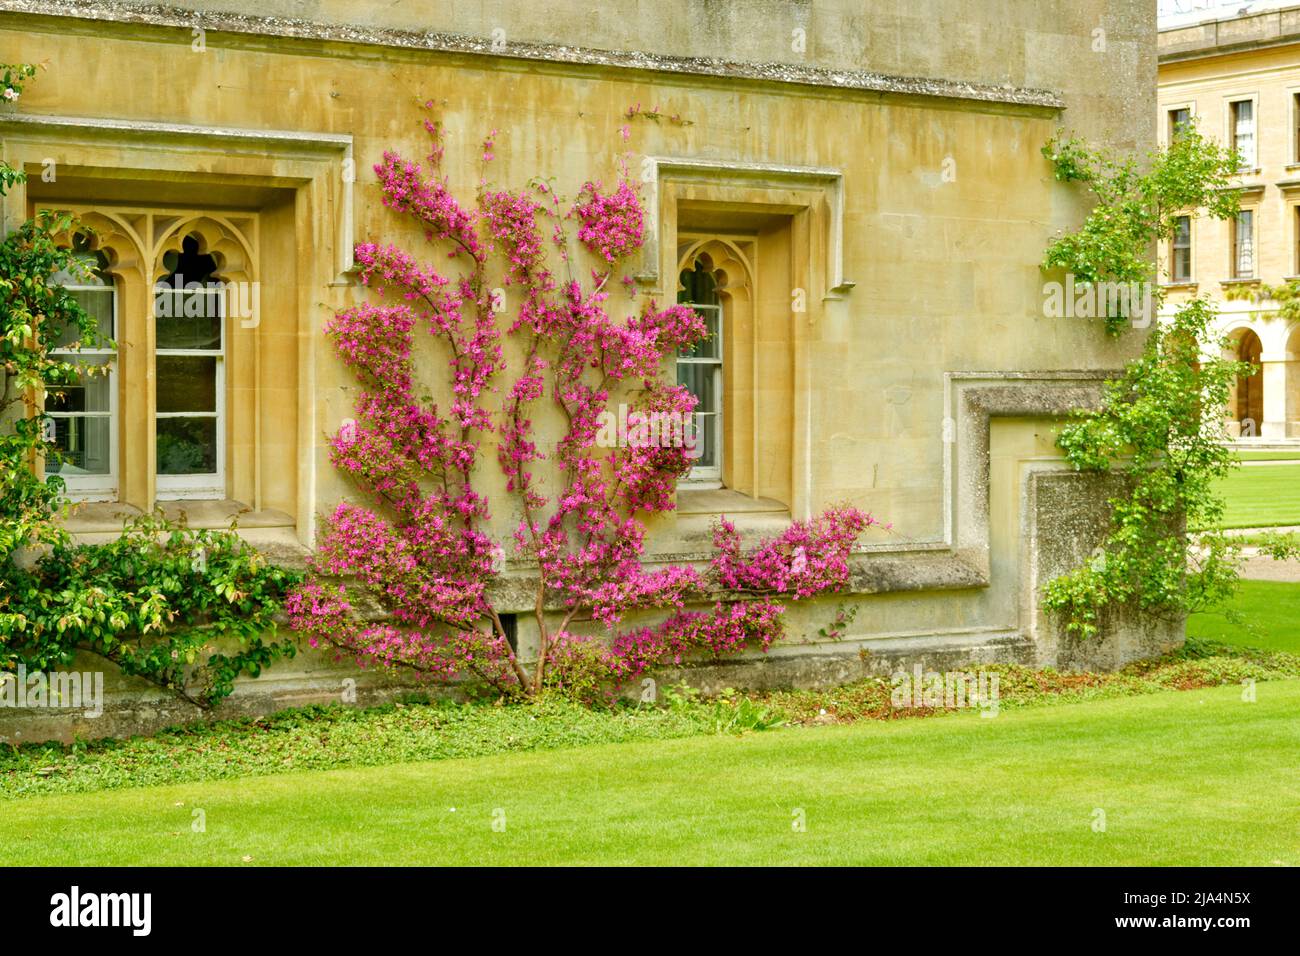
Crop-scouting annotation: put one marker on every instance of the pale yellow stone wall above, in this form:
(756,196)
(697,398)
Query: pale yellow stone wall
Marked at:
(947,206)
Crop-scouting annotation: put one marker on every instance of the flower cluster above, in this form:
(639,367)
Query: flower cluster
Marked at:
(611,227)
(648,470)
(405,189)
(808,558)
(728,628)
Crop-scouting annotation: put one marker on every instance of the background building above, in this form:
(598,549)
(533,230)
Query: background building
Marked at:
(1238,74)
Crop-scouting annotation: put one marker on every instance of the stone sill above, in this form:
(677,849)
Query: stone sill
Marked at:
(271,532)
(1189,286)
(102,517)
(717,501)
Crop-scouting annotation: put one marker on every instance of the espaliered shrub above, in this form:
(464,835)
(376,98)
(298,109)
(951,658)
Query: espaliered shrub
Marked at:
(419,543)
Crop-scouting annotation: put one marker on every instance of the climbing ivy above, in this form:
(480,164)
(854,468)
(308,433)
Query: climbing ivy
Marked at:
(186,609)
(155,601)
(1136,203)
(1161,423)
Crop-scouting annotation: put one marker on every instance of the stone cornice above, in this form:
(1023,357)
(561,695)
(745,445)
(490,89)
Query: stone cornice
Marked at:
(161,16)
(109,128)
(1258,30)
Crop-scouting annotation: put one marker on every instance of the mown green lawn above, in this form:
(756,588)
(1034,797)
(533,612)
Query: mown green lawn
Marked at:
(1264,614)
(1191,777)
(1262,497)
(1268,455)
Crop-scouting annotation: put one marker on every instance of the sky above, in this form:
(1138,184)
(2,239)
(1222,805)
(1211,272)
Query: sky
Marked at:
(1174,13)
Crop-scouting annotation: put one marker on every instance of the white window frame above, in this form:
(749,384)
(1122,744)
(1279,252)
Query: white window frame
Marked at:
(1293,131)
(94,487)
(1235,271)
(1293,213)
(702,476)
(210,486)
(1251,162)
(1173,254)
(1170,109)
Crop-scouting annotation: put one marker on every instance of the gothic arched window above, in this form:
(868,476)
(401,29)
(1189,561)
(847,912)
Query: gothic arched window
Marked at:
(189,353)
(699,369)
(81,415)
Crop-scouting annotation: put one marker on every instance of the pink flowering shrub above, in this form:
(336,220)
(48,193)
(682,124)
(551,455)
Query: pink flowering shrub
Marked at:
(405,578)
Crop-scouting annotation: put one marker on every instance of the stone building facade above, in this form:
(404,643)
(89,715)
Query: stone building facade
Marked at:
(1239,76)
(882,160)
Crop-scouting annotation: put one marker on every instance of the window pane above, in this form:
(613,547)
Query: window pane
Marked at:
(704,381)
(90,393)
(1244,132)
(698,285)
(701,379)
(187,446)
(1182,260)
(188,319)
(84,443)
(1178,119)
(1245,237)
(705,434)
(187,383)
(99,304)
(699,369)
(710,347)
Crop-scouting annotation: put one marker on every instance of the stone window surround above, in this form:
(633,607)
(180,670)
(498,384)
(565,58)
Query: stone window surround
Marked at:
(1189,281)
(1290,189)
(1165,130)
(312,164)
(1293,126)
(1229,127)
(812,198)
(1233,257)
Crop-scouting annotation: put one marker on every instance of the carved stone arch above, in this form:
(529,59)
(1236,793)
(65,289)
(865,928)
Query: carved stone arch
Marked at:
(113,236)
(1245,342)
(1232,324)
(731,267)
(1291,380)
(1290,341)
(1237,333)
(1272,332)
(1238,329)
(217,236)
